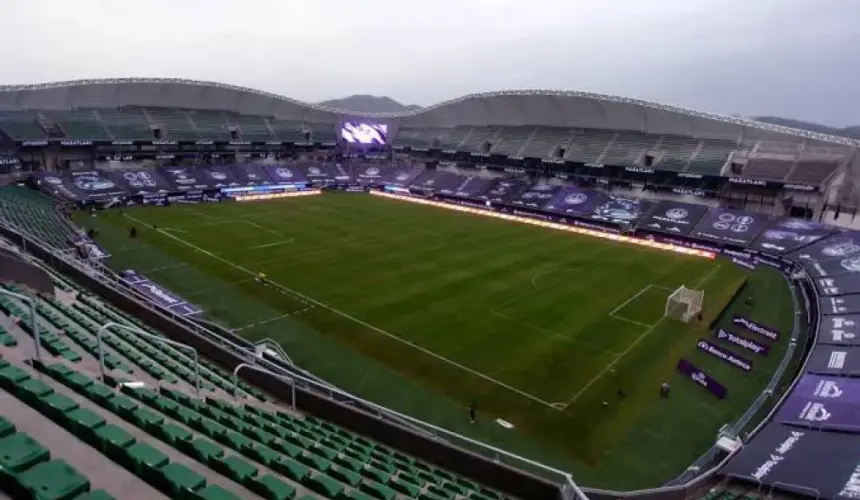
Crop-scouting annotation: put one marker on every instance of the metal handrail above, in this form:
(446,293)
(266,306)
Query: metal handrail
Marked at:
(110,324)
(34,319)
(250,366)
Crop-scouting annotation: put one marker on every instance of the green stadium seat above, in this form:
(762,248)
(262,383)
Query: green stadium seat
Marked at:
(19,452)
(324,485)
(54,480)
(214,492)
(114,440)
(378,491)
(269,486)
(7,428)
(236,468)
(95,495)
(146,461)
(177,479)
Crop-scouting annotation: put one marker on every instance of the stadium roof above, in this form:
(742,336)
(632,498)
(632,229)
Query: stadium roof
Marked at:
(510,108)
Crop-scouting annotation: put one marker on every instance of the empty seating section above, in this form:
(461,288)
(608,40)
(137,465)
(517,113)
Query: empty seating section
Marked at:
(79,125)
(451,139)
(34,214)
(812,172)
(324,133)
(288,131)
(545,141)
(767,168)
(587,146)
(711,158)
(126,124)
(511,140)
(183,446)
(478,140)
(174,124)
(22,126)
(629,148)
(251,128)
(210,125)
(415,138)
(676,152)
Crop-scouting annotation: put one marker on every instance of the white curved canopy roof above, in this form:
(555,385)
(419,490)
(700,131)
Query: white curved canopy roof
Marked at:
(511,108)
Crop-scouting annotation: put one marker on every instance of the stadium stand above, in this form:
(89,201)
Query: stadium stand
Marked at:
(415,138)
(628,148)
(175,123)
(512,140)
(210,125)
(676,152)
(767,168)
(588,146)
(251,128)
(126,124)
(78,125)
(452,138)
(545,141)
(811,172)
(711,157)
(22,126)
(323,133)
(479,140)
(34,214)
(287,130)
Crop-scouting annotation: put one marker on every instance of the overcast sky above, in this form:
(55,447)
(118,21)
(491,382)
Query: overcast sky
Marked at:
(792,58)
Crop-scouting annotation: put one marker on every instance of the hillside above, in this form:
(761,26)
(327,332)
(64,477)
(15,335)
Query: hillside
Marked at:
(851,132)
(368,104)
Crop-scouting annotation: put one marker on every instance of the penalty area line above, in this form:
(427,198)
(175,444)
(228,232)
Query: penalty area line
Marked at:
(268,245)
(353,319)
(565,404)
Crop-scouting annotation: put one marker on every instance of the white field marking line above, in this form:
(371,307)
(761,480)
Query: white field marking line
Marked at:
(164,268)
(254,224)
(554,334)
(201,291)
(563,405)
(270,320)
(631,299)
(267,245)
(355,320)
(631,321)
(175,230)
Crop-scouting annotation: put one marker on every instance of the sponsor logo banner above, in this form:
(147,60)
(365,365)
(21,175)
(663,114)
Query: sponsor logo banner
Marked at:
(777,456)
(743,263)
(702,379)
(743,342)
(673,218)
(840,246)
(834,360)
(846,304)
(784,235)
(828,388)
(730,226)
(825,415)
(839,285)
(575,201)
(725,355)
(839,330)
(765,331)
(157,294)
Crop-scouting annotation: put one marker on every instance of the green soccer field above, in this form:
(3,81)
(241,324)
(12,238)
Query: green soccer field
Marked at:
(423,309)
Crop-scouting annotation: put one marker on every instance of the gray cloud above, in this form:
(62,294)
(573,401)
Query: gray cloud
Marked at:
(795,58)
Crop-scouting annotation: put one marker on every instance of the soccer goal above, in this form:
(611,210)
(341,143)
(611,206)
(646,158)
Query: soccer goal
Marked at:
(684,304)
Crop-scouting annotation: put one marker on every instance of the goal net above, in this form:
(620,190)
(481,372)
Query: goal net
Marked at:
(684,304)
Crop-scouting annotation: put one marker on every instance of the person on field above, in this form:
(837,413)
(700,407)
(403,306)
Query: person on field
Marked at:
(473,411)
(261,278)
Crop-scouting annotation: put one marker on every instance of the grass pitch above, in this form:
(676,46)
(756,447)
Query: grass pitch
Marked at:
(423,309)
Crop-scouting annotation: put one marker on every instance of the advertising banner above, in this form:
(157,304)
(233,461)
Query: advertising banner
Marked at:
(157,294)
(742,342)
(505,190)
(847,284)
(219,176)
(250,174)
(702,379)
(845,304)
(839,330)
(673,218)
(401,176)
(143,181)
(832,359)
(725,225)
(186,178)
(785,234)
(536,196)
(619,209)
(790,459)
(575,201)
(765,331)
(826,415)
(283,174)
(828,388)
(474,187)
(90,248)
(725,355)
(839,246)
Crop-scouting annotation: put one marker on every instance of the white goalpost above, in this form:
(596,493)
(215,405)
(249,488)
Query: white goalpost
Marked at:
(684,304)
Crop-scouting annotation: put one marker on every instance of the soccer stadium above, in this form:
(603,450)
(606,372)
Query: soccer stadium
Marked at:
(209,291)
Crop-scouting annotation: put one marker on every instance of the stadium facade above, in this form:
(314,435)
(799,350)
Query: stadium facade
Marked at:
(575,131)
(513,108)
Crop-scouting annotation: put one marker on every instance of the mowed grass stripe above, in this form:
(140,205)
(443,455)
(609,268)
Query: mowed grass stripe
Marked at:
(409,248)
